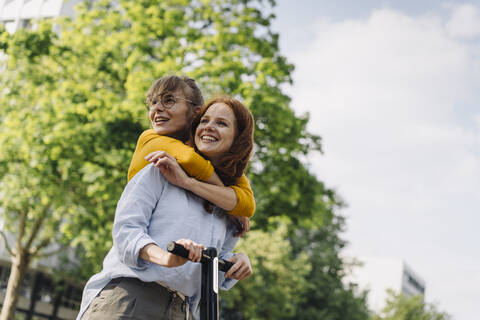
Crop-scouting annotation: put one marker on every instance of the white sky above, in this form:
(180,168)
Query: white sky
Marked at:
(394,91)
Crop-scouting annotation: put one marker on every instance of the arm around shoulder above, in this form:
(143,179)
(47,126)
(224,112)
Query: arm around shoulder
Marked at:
(193,163)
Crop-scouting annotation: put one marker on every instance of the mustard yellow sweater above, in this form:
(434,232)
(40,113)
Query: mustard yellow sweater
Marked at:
(193,163)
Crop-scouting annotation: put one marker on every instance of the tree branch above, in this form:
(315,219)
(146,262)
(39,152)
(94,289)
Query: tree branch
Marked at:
(154,57)
(36,249)
(7,246)
(207,24)
(35,229)
(49,254)
(21,231)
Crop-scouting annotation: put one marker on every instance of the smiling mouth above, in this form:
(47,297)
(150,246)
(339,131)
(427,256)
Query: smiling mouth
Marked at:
(207,138)
(160,120)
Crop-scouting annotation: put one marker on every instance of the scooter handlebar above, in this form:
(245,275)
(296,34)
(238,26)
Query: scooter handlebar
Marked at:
(179,250)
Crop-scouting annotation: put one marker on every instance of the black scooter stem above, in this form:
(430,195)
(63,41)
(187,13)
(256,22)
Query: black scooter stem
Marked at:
(210,266)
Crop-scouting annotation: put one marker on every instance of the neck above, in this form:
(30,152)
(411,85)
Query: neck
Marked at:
(214,161)
(182,136)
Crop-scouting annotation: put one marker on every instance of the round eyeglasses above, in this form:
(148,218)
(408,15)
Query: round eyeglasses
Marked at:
(166,100)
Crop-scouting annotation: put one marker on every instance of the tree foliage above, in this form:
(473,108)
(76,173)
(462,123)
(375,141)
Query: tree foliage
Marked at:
(327,295)
(279,278)
(72,110)
(298,274)
(402,307)
(92,77)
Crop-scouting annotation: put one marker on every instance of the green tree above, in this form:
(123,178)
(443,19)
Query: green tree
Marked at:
(115,52)
(401,307)
(54,149)
(72,109)
(279,280)
(298,272)
(327,296)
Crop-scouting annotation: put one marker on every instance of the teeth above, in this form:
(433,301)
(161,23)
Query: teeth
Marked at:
(161,120)
(209,138)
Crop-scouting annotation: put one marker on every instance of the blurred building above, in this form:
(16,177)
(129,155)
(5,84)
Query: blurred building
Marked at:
(379,274)
(16,14)
(41,295)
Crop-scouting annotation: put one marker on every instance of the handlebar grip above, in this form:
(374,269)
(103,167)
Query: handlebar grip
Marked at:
(224,265)
(177,249)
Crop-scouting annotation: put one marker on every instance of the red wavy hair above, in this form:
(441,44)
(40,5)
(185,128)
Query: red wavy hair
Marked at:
(233,163)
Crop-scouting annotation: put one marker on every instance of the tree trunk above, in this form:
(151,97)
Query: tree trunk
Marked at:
(19,268)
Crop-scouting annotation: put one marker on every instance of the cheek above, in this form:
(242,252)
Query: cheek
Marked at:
(182,122)
(175,115)
(230,139)
(197,137)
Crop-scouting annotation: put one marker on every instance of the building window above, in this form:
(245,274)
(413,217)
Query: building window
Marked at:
(10,26)
(4,275)
(414,283)
(27,24)
(72,297)
(46,291)
(26,286)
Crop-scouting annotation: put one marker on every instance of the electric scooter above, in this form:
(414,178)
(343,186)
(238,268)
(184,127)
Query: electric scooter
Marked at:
(210,267)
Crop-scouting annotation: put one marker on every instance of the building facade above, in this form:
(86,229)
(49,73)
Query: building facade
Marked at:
(17,14)
(379,274)
(41,295)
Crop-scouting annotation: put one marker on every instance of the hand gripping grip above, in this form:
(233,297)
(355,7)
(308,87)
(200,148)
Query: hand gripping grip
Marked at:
(180,250)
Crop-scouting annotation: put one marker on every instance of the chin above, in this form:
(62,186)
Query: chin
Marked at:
(209,154)
(204,152)
(160,131)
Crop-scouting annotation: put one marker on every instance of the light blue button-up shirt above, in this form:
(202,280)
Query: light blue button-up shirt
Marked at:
(151,210)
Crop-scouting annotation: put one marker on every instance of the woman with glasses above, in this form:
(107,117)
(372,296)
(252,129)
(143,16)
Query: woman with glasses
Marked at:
(140,280)
(172,102)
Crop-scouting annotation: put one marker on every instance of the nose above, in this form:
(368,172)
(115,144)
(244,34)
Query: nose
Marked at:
(208,126)
(158,107)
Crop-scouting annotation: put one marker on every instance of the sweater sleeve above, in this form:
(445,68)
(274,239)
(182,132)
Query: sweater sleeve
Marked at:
(193,163)
(246,202)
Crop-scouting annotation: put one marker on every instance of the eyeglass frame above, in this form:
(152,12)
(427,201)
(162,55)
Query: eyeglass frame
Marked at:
(164,106)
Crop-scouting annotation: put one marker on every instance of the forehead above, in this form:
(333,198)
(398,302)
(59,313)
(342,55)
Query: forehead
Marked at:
(220,110)
(178,92)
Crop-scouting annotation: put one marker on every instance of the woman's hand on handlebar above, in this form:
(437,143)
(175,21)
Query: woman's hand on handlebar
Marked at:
(241,268)
(153,253)
(194,255)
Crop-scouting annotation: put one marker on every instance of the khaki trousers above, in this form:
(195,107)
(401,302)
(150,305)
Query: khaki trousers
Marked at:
(133,299)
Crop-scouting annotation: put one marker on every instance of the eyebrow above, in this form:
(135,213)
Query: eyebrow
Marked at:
(217,118)
(224,119)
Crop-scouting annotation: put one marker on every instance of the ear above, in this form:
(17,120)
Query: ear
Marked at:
(196,110)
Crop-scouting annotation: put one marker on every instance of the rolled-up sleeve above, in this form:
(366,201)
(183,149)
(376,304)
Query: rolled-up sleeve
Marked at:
(132,217)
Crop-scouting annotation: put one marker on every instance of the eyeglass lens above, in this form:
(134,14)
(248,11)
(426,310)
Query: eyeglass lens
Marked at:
(166,100)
